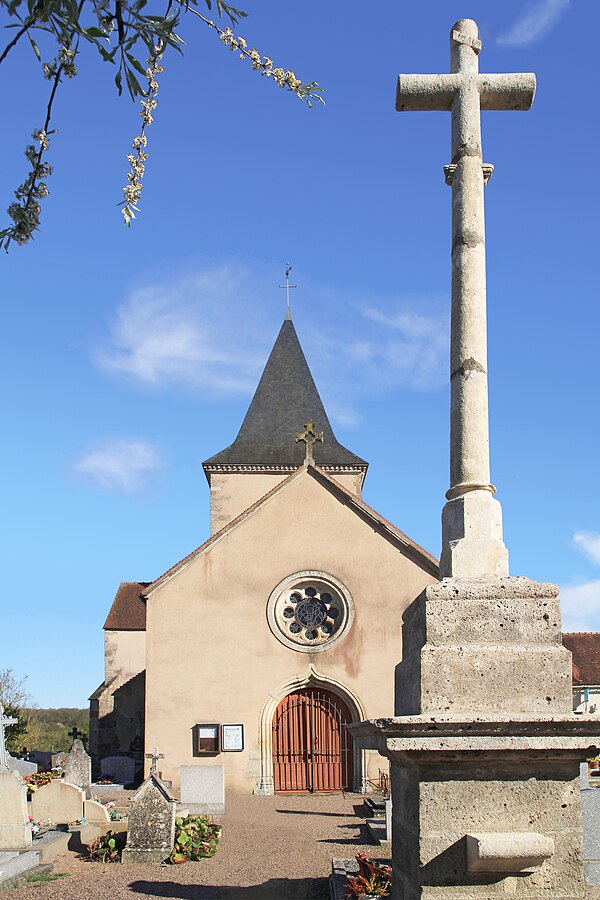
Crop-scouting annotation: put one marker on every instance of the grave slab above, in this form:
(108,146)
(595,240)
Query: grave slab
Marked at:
(203,789)
(21,766)
(51,844)
(18,864)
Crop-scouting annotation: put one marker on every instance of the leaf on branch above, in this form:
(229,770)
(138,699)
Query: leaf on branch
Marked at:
(36,49)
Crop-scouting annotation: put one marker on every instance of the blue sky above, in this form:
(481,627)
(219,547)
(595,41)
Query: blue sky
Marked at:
(131,356)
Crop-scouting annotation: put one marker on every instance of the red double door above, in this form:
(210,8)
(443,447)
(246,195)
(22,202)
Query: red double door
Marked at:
(312,751)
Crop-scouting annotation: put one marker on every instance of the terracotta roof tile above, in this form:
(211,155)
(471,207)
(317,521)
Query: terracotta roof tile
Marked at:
(585,647)
(128,611)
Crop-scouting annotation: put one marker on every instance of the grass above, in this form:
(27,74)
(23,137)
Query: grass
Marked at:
(43,877)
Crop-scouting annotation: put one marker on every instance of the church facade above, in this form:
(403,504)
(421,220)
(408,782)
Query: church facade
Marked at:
(255,650)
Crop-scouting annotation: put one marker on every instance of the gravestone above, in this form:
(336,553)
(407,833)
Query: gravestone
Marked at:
(120,768)
(78,768)
(15,828)
(22,766)
(42,757)
(203,789)
(95,813)
(57,802)
(151,823)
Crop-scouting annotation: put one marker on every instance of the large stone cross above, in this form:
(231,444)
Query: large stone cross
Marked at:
(5,721)
(472,542)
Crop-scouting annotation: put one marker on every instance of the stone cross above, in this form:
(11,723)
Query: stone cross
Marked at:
(472,519)
(154,756)
(310,438)
(75,734)
(5,721)
(288,287)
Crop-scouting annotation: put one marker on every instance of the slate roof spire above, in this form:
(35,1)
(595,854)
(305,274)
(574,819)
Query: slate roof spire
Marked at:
(285,399)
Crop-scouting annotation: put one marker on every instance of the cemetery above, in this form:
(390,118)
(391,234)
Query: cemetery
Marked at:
(492,790)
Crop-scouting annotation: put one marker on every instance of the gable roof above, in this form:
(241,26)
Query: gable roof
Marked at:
(410,547)
(128,610)
(285,399)
(585,647)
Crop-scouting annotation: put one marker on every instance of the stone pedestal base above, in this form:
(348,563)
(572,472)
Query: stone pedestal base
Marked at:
(484,743)
(452,777)
(484,645)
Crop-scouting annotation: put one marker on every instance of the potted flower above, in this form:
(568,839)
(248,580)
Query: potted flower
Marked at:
(373,880)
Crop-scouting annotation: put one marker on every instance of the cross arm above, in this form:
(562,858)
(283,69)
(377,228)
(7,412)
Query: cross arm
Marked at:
(511,91)
(422,92)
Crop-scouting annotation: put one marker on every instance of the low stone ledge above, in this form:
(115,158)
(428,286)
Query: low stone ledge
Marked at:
(508,852)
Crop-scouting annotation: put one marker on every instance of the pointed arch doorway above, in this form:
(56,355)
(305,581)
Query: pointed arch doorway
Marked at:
(312,750)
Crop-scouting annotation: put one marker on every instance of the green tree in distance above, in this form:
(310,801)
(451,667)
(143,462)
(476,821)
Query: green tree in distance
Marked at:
(14,698)
(132,36)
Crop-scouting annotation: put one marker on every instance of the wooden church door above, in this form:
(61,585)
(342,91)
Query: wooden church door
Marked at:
(312,751)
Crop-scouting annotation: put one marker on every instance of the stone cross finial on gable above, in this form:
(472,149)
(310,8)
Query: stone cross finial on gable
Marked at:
(5,721)
(472,519)
(154,756)
(310,438)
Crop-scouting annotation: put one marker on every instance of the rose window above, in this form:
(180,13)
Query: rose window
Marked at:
(309,611)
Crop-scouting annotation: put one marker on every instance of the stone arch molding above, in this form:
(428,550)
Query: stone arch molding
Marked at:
(311,678)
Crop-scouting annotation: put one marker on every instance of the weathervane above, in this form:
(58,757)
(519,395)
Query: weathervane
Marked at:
(287,286)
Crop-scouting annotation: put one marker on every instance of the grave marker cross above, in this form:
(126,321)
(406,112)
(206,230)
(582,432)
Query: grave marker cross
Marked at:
(472,520)
(5,721)
(154,756)
(76,735)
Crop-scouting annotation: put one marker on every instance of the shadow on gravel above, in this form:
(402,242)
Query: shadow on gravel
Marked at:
(273,889)
(306,812)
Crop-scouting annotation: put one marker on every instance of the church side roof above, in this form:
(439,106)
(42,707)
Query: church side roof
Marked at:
(585,647)
(285,399)
(429,562)
(128,610)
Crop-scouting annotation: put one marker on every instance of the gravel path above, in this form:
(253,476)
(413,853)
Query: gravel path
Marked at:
(272,848)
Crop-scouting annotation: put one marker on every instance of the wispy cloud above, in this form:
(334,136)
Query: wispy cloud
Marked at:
(124,465)
(580,605)
(589,544)
(411,348)
(194,330)
(213,329)
(535,22)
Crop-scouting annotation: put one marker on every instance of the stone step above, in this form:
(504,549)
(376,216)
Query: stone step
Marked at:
(378,831)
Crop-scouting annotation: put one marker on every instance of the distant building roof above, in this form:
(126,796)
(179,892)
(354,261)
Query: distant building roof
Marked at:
(585,647)
(128,610)
(285,399)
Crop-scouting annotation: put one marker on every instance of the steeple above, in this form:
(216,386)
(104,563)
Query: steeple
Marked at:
(285,399)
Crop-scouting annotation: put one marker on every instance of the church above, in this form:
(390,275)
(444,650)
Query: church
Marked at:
(255,650)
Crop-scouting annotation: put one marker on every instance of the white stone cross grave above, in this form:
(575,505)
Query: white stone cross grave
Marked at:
(154,756)
(4,722)
(472,542)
